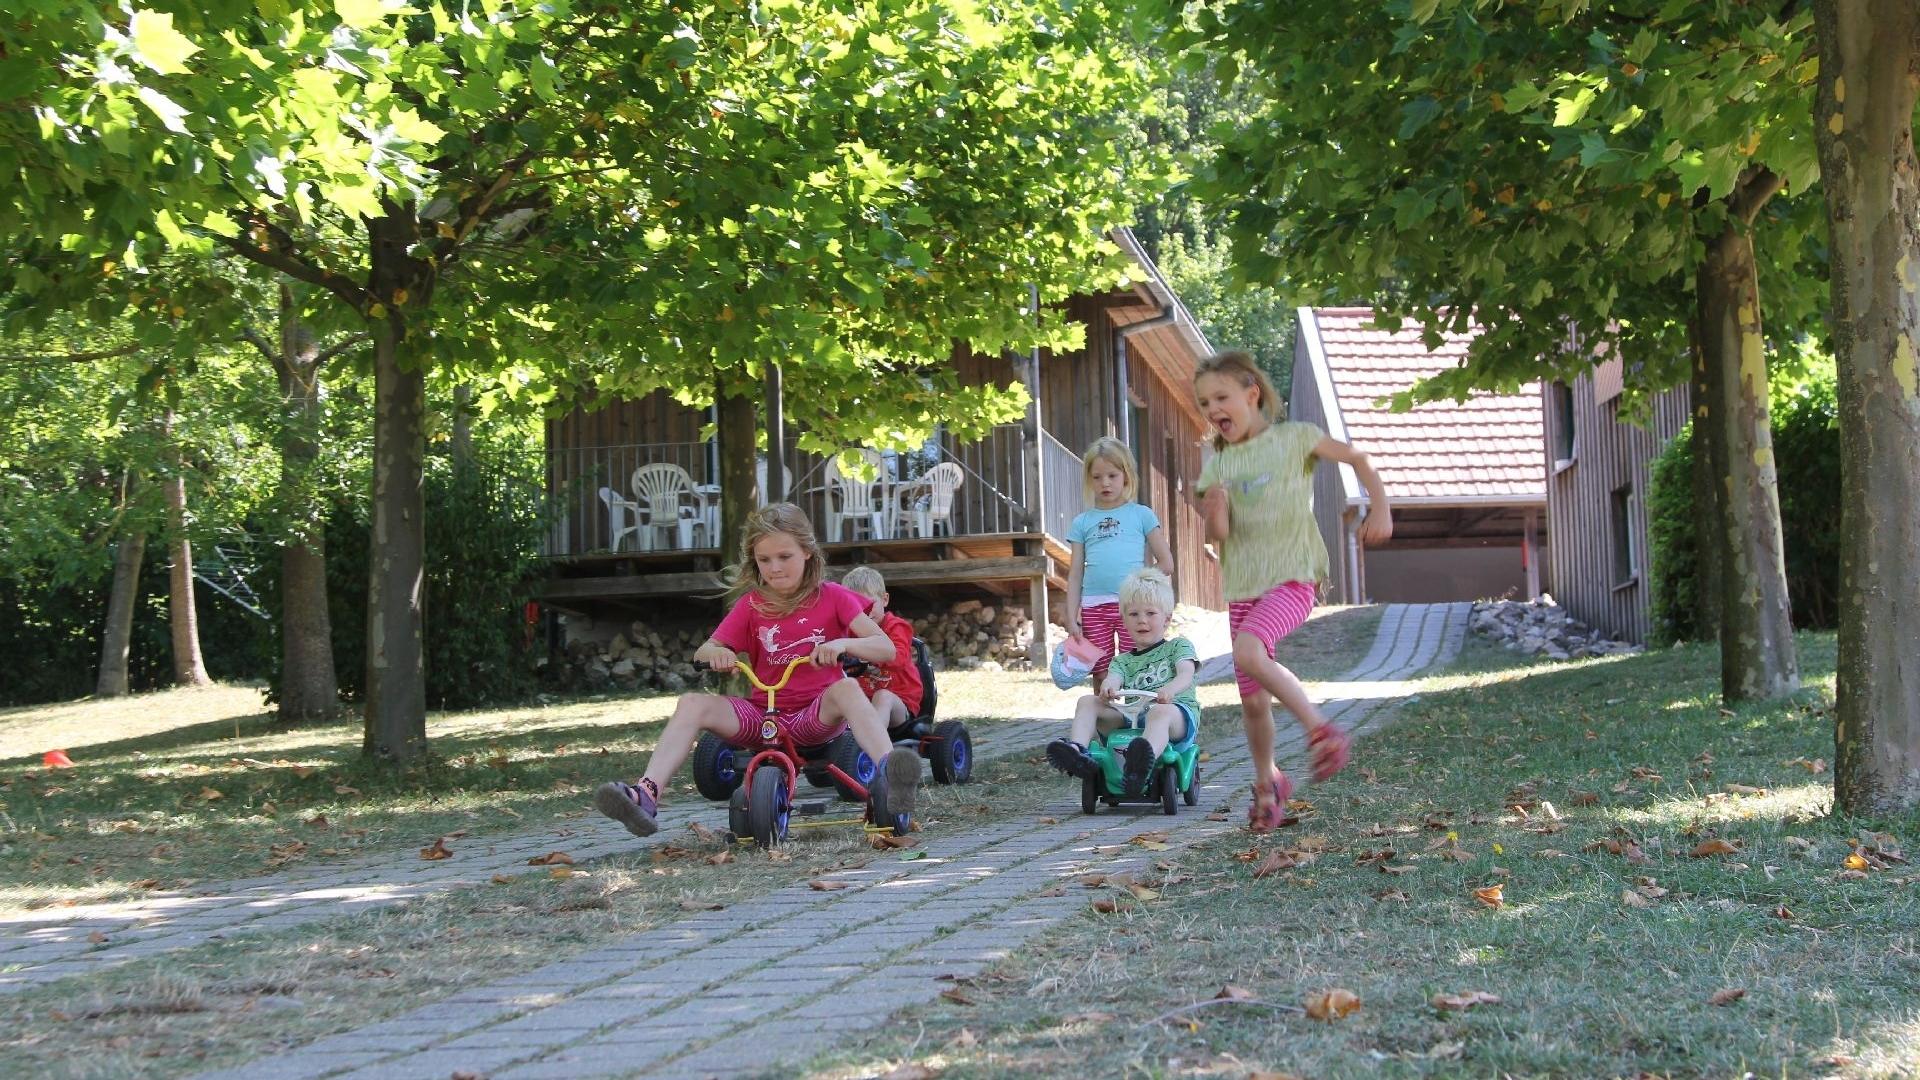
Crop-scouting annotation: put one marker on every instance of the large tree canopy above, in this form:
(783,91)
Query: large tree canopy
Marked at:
(571,196)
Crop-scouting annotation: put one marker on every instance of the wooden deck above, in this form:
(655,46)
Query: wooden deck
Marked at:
(1007,564)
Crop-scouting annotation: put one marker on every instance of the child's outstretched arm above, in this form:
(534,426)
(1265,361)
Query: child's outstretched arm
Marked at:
(1377,528)
(1214,508)
(869,643)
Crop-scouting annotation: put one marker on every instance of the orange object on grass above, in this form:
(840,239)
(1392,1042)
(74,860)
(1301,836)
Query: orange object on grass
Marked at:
(56,759)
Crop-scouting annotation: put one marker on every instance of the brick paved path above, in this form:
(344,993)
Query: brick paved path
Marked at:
(703,997)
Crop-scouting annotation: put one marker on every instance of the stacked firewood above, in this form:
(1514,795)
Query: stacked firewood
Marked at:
(972,634)
(638,657)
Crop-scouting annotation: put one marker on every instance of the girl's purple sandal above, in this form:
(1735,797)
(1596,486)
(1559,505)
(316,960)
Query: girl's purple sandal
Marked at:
(1332,748)
(1275,813)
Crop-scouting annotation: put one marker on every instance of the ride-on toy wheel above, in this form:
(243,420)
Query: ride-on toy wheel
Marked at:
(737,814)
(845,752)
(1170,789)
(768,806)
(715,772)
(950,754)
(817,775)
(1091,788)
(1192,794)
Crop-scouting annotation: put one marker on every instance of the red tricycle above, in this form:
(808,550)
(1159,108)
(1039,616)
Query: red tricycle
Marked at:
(761,808)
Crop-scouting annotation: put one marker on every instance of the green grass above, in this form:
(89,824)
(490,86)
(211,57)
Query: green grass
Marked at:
(1630,749)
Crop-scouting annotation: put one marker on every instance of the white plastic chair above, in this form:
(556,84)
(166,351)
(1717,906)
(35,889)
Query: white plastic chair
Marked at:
(760,478)
(856,501)
(619,513)
(664,493)
(930,500)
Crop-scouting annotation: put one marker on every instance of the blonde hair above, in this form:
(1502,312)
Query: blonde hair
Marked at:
(1241,368)
(1114,452)
(744,577)
(1150,584)
(866,581)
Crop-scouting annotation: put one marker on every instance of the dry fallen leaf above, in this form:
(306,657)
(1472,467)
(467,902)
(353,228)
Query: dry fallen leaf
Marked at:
(318,821)
(1584,798)
(911,1071)
(1331,1005)
(1276,861)
(1094,881)
(1231,992)
(342,789)
(503,879)
(551,858)
(438,850)
(1782,912)
(720,858)
(1089,1018)
(1105,907)
(97,938)
(1057,890)
(1855,861)
(1218,816)
(561,873)
(1141,892)
(700,905)
(1400,868)
(890,842)
(1044,821)
(1727,996)
(209,794)
(821,885)
(1743,789)
(1715,846)
(1392,894)
(1465,1000)
(1633,899)
(1491,896)
(954,995)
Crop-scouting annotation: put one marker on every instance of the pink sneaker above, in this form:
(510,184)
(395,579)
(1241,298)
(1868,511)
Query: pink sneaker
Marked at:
(1266,817)
(1332,748)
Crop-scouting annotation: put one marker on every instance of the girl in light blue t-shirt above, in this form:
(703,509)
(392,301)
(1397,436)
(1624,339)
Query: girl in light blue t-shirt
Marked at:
(1113,539)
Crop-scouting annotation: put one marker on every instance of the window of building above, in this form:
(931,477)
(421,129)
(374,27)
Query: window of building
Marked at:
(1626,560)
(1563,442)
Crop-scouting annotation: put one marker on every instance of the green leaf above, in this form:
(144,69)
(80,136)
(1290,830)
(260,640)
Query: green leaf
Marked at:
(1569,110)
(157,44)
(1417,114)
(171,115)
(408,125)
(361,14)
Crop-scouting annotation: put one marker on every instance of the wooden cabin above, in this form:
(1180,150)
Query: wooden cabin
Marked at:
(1466,480)
(1004,532)
(1598,466)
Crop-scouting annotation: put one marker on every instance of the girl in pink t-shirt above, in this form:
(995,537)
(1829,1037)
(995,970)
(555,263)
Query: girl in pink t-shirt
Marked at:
(789,611)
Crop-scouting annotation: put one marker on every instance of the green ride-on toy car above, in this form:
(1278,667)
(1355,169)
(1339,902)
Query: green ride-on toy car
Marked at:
(1175,776)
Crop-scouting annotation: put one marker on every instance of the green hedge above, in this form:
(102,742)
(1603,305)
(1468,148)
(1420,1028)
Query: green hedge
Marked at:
(484,526)
(1806,446)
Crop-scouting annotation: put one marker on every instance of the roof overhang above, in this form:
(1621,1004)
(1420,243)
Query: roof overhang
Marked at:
(1309,331)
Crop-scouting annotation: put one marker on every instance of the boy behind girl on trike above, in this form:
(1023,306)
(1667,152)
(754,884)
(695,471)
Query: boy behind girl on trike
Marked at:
(892,685)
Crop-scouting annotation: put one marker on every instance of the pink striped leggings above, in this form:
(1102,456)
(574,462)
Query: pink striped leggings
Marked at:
(1270,616)
(1103,627)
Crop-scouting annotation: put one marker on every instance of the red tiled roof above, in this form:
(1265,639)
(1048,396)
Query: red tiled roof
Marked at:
(1491,445)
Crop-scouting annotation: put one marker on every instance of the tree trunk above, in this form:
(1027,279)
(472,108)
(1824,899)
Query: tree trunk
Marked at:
(309,688)
(462,441)
(396,713)
(1709,465)
(1757,659)
(739,486)
(189,667)
(117,640)
(1863,124)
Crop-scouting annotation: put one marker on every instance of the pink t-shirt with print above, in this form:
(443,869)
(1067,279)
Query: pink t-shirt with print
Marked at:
(768,643)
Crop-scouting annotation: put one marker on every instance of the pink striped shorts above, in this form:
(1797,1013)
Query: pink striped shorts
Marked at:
(1270,616)
(803,724)
(1103,627)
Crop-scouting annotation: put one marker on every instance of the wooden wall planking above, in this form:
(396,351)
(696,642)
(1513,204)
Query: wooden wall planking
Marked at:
(1608,454)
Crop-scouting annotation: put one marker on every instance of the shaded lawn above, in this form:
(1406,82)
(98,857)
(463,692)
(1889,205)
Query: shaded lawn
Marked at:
(1607,964)
(183,786)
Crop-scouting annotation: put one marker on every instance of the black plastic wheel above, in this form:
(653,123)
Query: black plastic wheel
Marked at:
(1192,794)
(1170,789)
(817,775)
(716,767)
(845,752)
(950,754)
(1090,792)
(768,807)
(737,814)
